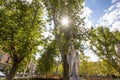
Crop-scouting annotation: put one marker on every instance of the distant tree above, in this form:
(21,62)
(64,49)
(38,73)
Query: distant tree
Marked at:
(25,65)
(47,63)
(20,30)
(60,69)
(107,70)
(83,65)
(94,69)
(103,42)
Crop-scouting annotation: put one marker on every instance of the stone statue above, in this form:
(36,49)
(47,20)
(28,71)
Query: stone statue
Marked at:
(118,48)
(73,61)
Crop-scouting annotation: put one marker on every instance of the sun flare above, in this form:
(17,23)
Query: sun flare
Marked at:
(65,21)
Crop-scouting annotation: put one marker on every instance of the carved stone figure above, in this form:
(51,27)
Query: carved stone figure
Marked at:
(73,61)
(118,48)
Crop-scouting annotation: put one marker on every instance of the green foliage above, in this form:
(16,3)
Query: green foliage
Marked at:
(70,35)
(47,63)
(20,28)
(24,66)
(60,69)
(101,68)
(103,43)
(67,8)
(83,64)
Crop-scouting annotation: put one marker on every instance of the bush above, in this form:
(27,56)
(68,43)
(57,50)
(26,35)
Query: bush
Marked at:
(37,79)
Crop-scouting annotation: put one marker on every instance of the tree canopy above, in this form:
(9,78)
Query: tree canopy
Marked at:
(70,35)
(47,62)
(103,43)
(20,29)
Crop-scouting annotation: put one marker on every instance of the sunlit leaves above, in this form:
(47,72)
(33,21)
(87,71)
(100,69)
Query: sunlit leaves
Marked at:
(47,62)
(20,28)
(104,42)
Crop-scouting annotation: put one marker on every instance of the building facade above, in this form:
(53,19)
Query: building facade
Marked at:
(4,58)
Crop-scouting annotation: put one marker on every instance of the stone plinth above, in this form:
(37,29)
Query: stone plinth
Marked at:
(76,78)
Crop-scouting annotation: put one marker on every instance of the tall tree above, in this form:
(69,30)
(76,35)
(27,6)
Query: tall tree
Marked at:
(103,43)
(65,35)
(26,66)
(47,62)
(20,30)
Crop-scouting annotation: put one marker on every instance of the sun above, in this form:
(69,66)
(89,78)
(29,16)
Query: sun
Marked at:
(65,21)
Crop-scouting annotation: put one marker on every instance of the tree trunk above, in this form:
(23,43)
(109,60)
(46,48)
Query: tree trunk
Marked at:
(117,69)
(65,68)
(12,72)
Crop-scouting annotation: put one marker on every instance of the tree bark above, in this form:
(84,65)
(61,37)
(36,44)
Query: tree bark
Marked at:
(64,56)
(12,72)
(65,68)
(117,68)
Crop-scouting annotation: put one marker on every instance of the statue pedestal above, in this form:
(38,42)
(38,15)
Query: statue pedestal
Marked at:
(76,78)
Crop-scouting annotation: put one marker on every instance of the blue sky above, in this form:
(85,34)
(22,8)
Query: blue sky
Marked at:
(103,12)
(98,7)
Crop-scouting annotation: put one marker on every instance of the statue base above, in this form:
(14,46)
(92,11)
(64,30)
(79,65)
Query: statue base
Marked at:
(76,78)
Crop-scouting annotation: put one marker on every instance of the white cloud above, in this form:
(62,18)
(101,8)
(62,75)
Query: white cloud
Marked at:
(116,26)
(112,17)
(91,55)
(40,47)
(113,1)
(37,56)
(93,1)
(87,13)
(48,34)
